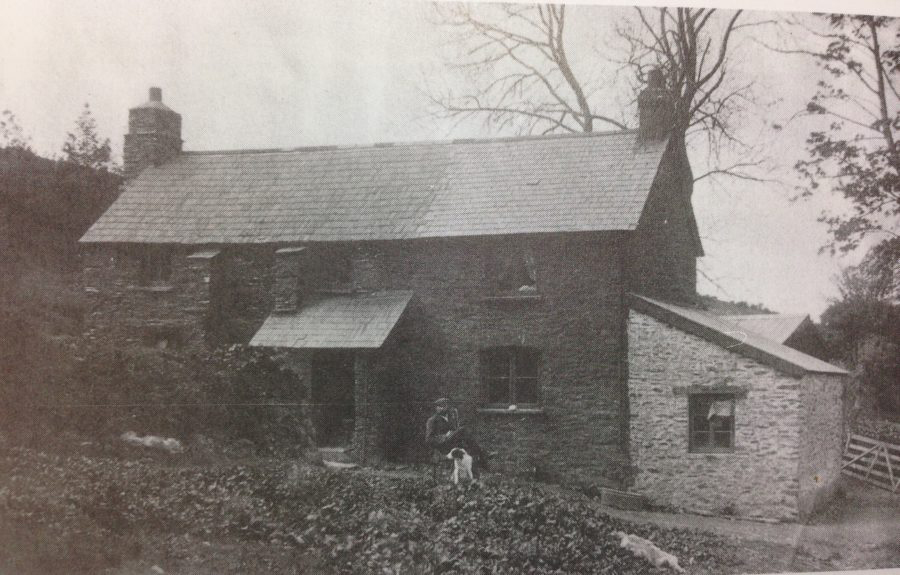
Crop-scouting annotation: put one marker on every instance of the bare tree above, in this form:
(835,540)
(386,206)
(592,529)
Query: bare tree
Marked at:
(518,69)
(520,76)
(692,46)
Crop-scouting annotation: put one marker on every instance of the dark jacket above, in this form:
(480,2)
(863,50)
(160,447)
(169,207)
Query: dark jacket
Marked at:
(438,425)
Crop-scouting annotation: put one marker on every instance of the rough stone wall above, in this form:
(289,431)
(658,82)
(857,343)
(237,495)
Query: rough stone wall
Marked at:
(368,432)
(124,312)
(243,293)
(822,439)
(217,299)
(759,478)
(664,249)
(576,319)
(577,322)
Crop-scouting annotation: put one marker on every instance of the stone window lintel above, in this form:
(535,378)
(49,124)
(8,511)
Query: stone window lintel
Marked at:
(738,391)
(506,411)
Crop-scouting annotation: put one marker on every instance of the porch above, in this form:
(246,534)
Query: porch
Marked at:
(334,344)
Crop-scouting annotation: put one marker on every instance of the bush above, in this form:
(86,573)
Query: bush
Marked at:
(228,394)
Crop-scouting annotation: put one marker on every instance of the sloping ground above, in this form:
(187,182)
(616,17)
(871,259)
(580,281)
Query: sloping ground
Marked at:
(79,514)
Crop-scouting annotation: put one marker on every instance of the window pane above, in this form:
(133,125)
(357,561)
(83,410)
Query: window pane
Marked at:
(720,424)
(497,390)
(700,439)
(722,438)
(699,423)
(510,268)
(526,390)
(496,363)
(528,363)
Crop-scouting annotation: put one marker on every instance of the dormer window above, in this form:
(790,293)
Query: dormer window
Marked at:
(155,266)
(511,271)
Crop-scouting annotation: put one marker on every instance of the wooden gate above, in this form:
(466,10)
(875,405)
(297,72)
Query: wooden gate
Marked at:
(872,461)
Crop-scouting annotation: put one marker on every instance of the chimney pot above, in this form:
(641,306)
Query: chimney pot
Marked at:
(156,94)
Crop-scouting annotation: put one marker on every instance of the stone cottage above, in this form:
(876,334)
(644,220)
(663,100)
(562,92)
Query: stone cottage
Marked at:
(545,284)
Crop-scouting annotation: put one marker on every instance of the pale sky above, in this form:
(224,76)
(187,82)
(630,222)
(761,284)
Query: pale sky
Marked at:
(287,74)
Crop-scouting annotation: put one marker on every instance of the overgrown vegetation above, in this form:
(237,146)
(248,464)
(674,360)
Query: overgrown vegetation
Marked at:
(90,514)
(862,330)
(55,382)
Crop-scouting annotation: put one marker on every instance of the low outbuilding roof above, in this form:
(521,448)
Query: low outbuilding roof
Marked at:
(351,321)
(586,182)
(720,331)
(775,326)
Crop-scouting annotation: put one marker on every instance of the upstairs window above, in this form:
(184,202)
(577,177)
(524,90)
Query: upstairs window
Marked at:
(155,266)
(334,268)
(510,376)
(711,422)
(511,271)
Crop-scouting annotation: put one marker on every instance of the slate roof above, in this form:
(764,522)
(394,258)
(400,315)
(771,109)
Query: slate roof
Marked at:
(353,321)
(586,182)
(775,326)
(721,332)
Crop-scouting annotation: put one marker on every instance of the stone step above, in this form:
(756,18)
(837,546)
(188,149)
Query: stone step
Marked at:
(619,499)
(335,454)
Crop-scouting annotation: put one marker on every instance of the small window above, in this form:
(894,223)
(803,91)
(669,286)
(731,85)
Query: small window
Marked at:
(511,376)
(511,270)
(156,266)
(711,422)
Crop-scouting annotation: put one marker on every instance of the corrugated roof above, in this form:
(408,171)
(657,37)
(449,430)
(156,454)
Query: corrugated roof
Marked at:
(717,330)
(775,326)
(354,321)
(589,182)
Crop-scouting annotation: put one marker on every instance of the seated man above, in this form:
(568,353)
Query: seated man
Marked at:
(443,432)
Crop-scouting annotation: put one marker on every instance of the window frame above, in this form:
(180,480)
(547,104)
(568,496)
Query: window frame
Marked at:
(514,358)
(505,260)
(695,403)
(155,266)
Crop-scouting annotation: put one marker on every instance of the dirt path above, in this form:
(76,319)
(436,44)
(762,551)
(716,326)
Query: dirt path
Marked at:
(862,529)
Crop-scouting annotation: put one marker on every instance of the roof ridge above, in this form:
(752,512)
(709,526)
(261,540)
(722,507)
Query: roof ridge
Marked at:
(764,315)
(750,344)
(330,147)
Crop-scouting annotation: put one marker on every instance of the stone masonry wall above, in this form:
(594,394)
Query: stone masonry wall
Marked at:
(822,439)
(759,478)
(576,320)
(664,250)
(216,295)
(124,312)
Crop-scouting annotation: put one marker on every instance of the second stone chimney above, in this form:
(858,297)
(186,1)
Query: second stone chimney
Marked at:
(655,108)
(154,135)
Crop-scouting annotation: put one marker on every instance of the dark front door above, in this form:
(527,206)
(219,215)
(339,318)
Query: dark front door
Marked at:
(332,394)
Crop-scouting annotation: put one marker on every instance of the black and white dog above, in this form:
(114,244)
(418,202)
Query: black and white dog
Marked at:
(462,466)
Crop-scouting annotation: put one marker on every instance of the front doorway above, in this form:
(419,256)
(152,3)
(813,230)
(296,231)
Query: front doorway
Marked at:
(332,396)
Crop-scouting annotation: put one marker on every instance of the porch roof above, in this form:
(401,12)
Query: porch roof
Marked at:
(351,321)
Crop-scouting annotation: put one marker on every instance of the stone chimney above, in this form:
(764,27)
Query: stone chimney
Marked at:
(154,135)
(655,108)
